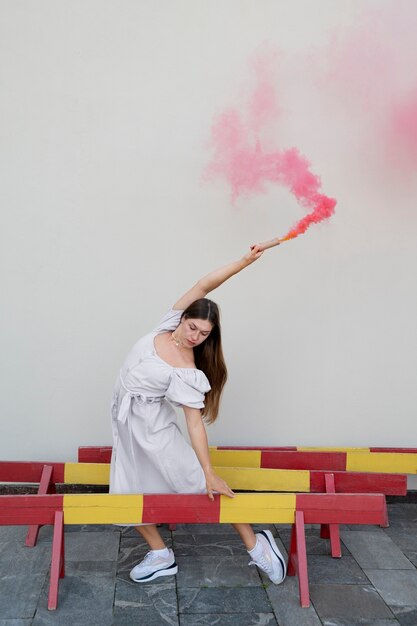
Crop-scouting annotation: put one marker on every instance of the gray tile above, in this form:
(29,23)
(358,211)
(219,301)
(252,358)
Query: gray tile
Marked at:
(204,529)
(348,602)
(403,538)
(15,622)
(22,575)
(402,515)
(131,532)
(208,545)
(20,558)
(138,616)
(76,618)
(159,595)
(397,587)
(325,569)
(20,594)
(87,588)
(411,556)
(314,543)
(216,571)
(223,600)
(233,619)
(360,622)
(366,528)
(285,600)
(406,615)
(98,546)
(13,533)
(375,550)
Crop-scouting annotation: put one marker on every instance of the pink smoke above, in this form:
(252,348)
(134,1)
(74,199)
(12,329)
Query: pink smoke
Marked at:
(239,157)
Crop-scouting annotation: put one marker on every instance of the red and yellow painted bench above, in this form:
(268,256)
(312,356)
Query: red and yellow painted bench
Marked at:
(380,460)
(289,508)
(326,469)
(239,478)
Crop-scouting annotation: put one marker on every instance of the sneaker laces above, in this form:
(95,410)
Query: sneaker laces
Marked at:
(262,562)
(149,556)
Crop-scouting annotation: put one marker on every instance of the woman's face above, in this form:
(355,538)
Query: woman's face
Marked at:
(194,331)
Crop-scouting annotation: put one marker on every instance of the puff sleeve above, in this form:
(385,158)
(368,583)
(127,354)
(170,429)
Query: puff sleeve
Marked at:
(187,388)
(170,321)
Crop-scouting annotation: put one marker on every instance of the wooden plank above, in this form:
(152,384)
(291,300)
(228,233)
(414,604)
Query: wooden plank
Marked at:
(57,561)
(402,463)
(360,482)
(181,508)
(397,450)
(342,508)
(29,471)
(256,448)
(304,460)
(94,454)
(45,486)
(235,458)
(87,473)
(119,509)
(25,510)
(103,509)
(256,508)
(331,449)
(255,479)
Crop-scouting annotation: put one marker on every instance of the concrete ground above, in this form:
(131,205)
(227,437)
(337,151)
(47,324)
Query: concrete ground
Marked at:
(374,583)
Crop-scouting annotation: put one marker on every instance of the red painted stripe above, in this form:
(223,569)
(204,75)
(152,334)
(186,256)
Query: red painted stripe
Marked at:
(398,450)
(180,508)
(361,482)
(288,448)
(29,472)
(18,510)
(304,460)
(94,454)
(342,508)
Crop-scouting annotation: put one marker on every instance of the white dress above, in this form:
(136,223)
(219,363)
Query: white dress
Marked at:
(150,454)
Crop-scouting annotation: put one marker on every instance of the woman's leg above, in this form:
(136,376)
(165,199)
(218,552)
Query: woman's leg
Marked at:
(246,534)
(152,536)
(263,551)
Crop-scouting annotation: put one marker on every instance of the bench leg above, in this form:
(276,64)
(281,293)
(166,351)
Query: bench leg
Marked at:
(331,531)
(45,486)
(58,560)
(386,520)
(297,558)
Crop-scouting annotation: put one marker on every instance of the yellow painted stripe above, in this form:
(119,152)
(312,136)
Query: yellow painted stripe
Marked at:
(103,509)
(87,473)
(389,462)
(236,458)
(254,479)
(262,508)
(330,449)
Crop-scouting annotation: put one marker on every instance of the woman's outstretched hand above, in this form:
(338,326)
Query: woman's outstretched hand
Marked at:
(217,484)
(254,254)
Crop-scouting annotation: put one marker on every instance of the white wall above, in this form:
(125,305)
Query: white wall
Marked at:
(105,113)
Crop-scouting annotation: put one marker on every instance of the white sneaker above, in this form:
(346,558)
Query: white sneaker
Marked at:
(153,566)
(270,560)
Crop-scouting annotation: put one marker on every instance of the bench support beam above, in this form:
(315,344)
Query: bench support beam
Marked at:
(331,531)
(58,560)
(45,486)
(297,558)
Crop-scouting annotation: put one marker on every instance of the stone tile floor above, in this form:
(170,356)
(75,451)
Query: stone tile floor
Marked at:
(374,583)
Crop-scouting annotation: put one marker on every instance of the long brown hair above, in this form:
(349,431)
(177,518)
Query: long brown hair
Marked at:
(208,355)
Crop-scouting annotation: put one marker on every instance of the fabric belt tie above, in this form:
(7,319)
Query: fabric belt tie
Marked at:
(124,406)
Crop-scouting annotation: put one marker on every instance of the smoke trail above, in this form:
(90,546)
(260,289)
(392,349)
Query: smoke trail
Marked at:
(239,158)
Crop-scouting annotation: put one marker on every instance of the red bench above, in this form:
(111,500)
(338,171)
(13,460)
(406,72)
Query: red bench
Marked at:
(303,508)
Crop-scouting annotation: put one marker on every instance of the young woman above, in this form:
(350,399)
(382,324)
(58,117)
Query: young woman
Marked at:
(179,363)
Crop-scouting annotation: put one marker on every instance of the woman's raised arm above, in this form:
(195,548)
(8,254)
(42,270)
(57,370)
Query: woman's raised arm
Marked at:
(216,278)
